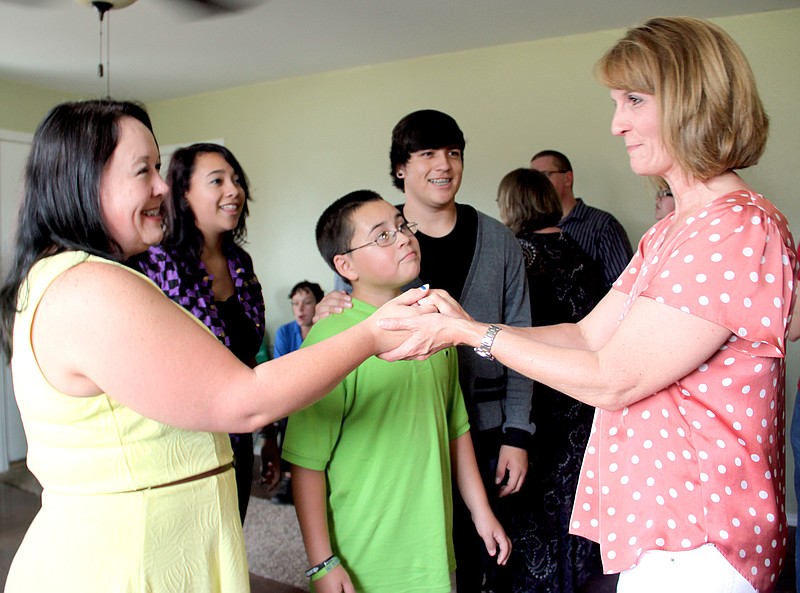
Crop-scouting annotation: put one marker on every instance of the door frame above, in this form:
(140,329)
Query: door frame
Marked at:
(10,422)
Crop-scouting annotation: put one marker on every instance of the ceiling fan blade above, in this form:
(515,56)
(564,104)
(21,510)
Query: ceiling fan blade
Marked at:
(31,3)
(204,8)
(192,8)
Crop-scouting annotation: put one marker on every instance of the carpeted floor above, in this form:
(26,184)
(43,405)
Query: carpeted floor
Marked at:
(272,537)
(20,477)
(273,542)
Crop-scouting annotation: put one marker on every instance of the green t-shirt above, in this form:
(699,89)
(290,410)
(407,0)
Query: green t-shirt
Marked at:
(382,437)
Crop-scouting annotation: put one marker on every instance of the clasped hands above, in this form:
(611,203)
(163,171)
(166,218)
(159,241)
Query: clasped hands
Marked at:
(428,318)
(432,323)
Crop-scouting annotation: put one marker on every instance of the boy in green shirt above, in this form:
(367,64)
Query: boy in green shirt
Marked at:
(372,460)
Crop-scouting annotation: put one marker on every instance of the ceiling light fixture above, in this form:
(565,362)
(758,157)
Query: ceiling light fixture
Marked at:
(102,8)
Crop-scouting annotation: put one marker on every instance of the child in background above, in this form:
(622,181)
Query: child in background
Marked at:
(371,473)
(304,297)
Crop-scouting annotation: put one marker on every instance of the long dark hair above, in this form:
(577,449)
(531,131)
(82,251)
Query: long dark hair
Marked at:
(182,233)
(60,209)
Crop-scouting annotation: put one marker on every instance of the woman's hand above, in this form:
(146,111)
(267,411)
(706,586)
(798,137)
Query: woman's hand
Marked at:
(429,333)
(444,303)
(435,311)
(404,306)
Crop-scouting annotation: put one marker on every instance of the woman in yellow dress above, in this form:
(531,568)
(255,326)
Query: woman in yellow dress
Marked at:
(126,398)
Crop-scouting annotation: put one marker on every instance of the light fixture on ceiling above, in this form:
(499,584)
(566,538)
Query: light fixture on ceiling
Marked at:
(198,7)
(102,8)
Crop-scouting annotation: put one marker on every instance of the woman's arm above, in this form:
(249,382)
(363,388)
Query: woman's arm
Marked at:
(308,489)
(653,346)
(470,486)
(100,328)
(590,333)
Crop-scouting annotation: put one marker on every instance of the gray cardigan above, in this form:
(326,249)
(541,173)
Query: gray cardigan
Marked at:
(497,396)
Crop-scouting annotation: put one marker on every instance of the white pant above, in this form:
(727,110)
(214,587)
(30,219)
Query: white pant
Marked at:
(702,570)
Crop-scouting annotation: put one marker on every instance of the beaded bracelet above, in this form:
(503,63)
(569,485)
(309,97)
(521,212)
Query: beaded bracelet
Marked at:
(323,568)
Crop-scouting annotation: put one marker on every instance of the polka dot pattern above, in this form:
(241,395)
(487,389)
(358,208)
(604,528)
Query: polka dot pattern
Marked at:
(702,459)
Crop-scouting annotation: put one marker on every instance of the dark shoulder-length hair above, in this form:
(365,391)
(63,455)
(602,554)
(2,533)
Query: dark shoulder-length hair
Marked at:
(181,232)
(60,208)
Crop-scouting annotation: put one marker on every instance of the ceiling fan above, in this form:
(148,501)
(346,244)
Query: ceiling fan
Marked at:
(102,7)
(200,8)
(190,9)
(197,8)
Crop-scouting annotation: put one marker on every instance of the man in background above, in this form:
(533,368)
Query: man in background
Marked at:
(596,231)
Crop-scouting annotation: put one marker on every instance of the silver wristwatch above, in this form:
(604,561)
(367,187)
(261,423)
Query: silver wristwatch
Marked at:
(485,349)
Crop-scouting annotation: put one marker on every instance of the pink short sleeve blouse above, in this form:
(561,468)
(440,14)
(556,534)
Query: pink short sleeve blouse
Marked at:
(702,460)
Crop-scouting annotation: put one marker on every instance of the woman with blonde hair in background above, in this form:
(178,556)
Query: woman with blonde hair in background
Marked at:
(565,284)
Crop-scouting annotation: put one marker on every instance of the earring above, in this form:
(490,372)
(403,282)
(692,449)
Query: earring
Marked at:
(399,174)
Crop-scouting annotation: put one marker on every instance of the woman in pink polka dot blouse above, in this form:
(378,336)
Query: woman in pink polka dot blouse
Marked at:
(683,479)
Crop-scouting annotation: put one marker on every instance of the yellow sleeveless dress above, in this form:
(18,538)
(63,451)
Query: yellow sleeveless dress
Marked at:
(102,527)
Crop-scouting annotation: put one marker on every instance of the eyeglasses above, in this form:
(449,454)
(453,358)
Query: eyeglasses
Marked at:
(387,238)
(551,173)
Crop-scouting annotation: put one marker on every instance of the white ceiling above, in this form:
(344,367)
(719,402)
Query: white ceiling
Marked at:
(159,51)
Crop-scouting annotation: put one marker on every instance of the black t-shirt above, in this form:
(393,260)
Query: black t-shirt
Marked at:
(446,260)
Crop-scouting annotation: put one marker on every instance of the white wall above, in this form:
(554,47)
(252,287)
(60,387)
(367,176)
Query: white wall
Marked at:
(305,142)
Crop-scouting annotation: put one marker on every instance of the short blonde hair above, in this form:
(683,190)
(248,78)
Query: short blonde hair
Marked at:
(528,201)
(712,119)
